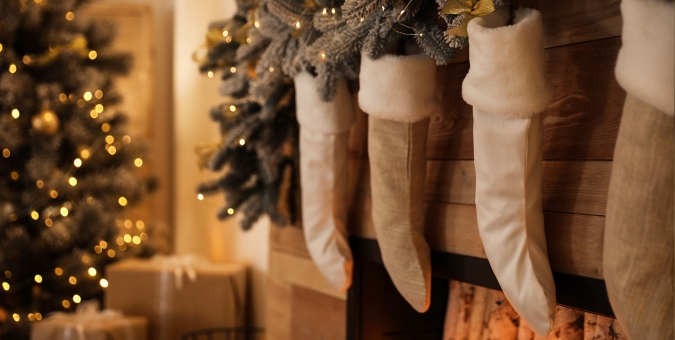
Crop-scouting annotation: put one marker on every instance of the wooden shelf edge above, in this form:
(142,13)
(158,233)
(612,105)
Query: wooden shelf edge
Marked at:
(573,291)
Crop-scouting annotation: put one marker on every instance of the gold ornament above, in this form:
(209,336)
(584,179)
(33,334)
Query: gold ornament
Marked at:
(204,152)
(46,122)
(472,9)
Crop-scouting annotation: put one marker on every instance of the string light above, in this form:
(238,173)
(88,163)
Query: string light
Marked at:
(15,175)
(77,162)
(91,271)
(12,68)
(90,200)
(140,225)
(120,241)
(271,69)
(136,240)
(72,181)
(230,211)
(26,59)
(325,11)
(323,55)
(99,108)
(233,69)
(53,194)
(103,283)
(64,211)
(31,316)
(86,259)
(97,249)
(103,244)
(210,74)
(87,96)
(38,316)
(144,236)
(233,108)
(242,142)
(332,10)
(5,286)
(126,139)
(39,184)
(93,114)
(228,39)
(138,162)
(65,303)
(70,16)
(109,139)
(8,274)
(77,298)
(128,224)
(297,24)
(16,113)
(16,317)
(93,54)
(112,150)
(34,215)
(248,40)
(127,238)
(58,271)
(38,278)
(0,47)
(200,197)
(122,201)
(225,33)
(98,94)
(72,280)
(70,96)
(6,153)
(256,24)
(80,103)
(63,97)
(111,253)
(105,127)
(362,19)
(49,222)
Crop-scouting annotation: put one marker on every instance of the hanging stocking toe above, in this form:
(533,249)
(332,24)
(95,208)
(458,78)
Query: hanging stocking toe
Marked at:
(508,88)
(324,135)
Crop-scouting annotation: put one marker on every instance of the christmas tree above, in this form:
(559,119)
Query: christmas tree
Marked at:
(258,151)
(67,165)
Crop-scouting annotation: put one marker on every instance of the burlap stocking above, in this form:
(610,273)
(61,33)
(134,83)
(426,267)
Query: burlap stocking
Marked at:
(324,134)
(508,88)
(638,250)
(398,93)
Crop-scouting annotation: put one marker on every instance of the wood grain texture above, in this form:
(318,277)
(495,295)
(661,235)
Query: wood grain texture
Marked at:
(568,186)
(574,241)
(300,271)
(570,22)
(316,315)
(581,122)
(278,309)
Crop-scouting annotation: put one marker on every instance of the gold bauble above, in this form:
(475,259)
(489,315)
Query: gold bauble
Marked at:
(46,122)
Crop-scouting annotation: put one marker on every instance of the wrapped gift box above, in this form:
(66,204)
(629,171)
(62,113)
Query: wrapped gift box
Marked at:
(178,294)
(105,325)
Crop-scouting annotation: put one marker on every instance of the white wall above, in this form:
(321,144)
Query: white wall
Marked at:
(196,228)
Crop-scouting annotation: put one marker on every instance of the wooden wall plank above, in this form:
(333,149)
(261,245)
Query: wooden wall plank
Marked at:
(570,22)
(580,123)
(300,271)
(574,241)
(317,316)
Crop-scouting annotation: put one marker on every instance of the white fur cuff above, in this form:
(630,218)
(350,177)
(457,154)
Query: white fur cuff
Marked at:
(645,65)
(507,75)
(326,117)
(398,88)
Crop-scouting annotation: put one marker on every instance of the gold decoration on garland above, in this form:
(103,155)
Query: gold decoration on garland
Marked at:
(77,46)
(46,122)
(205,151)
(472,9)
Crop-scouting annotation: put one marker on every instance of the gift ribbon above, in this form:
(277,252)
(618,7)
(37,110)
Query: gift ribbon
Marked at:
(472,9)
(86,316)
